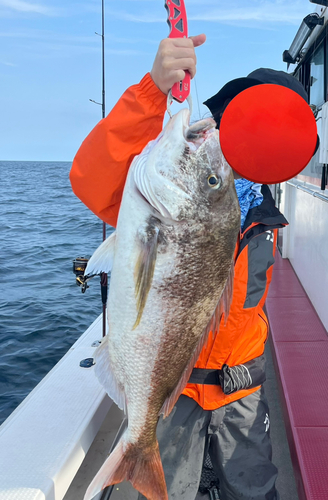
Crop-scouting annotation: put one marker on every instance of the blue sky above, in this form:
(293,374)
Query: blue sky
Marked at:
(50,60)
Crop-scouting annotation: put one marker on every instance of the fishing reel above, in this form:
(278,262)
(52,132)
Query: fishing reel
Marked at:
(79,267)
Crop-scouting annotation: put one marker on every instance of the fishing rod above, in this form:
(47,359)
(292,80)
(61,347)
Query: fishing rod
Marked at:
(103,276)
(80,263)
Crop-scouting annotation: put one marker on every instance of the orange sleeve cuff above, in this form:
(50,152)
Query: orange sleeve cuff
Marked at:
(101,164)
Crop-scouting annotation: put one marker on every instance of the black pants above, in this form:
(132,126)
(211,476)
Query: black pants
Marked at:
(237,439)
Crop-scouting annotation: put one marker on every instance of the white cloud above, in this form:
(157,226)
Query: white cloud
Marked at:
(59,45)
(263,11)
(65,39)
(23,6)
(266,12)
(124,52)
(138,18)
(6,63)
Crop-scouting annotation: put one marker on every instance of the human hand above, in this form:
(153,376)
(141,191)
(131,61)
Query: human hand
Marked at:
(173,58)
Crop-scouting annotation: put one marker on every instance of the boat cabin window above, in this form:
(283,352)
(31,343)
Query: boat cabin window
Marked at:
(317,77)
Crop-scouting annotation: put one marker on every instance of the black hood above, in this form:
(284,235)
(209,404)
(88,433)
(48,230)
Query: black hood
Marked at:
(217,103)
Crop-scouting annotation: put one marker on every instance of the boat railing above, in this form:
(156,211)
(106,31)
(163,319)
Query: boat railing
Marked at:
(305,187)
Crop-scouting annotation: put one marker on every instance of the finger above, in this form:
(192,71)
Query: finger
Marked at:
(198,40)
(182,53)
(182,73)
(179,75)
(168,51)
(187,64)
(182,42)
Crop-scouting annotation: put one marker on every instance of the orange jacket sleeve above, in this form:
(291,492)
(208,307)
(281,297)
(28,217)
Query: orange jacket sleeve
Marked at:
(101,164)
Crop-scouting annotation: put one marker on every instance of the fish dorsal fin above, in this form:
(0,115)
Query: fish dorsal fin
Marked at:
(223,307)
(148,236)
(102,259)
(174,396)
(106,376)
(226,298)
(224,304)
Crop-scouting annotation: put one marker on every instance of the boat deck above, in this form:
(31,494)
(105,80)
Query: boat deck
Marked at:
(124,491)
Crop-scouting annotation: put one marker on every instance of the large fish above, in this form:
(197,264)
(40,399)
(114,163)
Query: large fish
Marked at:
(171,258)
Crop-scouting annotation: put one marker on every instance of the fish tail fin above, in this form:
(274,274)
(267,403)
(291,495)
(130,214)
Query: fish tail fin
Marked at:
(143,470)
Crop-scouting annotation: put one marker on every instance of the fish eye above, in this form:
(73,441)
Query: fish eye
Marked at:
(214,181)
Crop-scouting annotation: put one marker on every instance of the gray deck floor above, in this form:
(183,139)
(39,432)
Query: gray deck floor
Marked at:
(99,450)
(281,457)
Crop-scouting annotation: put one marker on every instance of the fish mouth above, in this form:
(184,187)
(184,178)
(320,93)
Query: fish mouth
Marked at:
(197,133)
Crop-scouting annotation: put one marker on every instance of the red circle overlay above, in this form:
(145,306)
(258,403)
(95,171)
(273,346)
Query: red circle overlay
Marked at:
(268,134)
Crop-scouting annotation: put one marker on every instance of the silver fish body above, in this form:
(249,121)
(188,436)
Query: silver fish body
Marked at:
(170,258)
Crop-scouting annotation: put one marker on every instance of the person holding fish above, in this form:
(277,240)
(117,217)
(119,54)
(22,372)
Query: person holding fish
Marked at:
(191,262)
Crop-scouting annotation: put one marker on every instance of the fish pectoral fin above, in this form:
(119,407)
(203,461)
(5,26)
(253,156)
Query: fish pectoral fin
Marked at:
(149,236)
(106,376)
(102,259)
(143,470)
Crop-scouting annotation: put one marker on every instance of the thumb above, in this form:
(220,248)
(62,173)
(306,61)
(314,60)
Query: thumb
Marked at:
(198,40)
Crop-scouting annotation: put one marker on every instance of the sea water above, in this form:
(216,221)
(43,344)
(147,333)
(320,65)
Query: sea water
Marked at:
(43,227)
